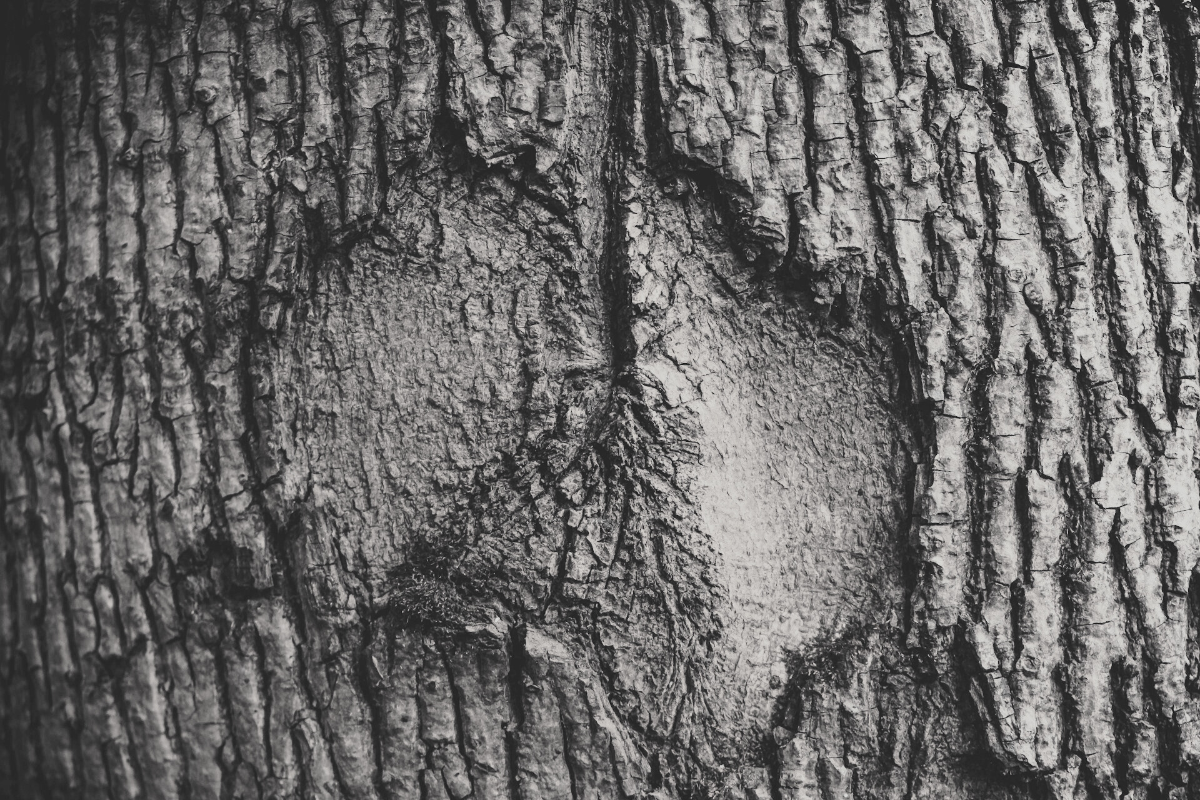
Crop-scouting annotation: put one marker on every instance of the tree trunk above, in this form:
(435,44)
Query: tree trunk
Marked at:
(670,399)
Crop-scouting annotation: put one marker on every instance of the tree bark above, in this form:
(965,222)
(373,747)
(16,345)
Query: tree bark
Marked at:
(673,399)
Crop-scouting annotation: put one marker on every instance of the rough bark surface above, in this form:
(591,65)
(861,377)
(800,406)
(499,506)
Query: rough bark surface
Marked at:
(674,399)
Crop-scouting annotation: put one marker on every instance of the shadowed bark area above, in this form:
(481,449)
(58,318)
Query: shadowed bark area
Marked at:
(678,400)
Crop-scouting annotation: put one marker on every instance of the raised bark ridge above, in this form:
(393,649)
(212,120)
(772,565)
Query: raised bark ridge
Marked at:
(372,377)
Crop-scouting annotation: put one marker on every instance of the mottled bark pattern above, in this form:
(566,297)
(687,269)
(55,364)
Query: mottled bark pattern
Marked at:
(682,399)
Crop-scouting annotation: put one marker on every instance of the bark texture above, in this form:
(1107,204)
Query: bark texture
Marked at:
(545,399)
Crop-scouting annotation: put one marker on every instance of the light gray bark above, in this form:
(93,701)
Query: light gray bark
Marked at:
(670,399)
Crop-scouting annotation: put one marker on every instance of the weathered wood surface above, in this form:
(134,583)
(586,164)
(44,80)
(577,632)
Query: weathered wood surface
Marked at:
(651,399)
